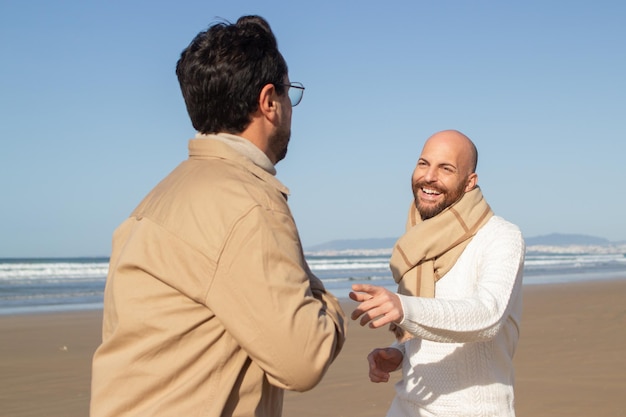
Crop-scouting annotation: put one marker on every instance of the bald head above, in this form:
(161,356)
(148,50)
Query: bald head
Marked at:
(456,143)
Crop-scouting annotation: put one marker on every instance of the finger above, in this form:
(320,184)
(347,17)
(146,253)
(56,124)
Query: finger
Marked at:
(377,317)
(379,378)
(375,320)
(379,321)
(366,288)
(359,296)
(362,308)
(378,373)
(366,317)
(359,311)
(383,320)
(356,314)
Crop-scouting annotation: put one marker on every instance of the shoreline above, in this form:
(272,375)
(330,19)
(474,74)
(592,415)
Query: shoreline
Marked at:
(342,293)
(569,360)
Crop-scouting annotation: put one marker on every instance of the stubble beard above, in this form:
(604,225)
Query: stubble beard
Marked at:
(280,143)
(428,211)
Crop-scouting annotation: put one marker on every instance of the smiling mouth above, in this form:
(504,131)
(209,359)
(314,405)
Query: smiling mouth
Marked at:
(430,191)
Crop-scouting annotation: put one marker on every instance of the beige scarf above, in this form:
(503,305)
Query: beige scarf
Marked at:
(429,249)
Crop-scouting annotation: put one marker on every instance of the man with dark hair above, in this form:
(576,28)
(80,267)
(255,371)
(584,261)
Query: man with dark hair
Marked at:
(457,312)
(210,308)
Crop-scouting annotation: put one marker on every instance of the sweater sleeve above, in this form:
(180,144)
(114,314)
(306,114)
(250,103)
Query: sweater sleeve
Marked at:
(498,267)
(268,300)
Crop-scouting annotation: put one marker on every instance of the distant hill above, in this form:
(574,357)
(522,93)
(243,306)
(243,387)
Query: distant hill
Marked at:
(354,244)
(554,239)
(557,239)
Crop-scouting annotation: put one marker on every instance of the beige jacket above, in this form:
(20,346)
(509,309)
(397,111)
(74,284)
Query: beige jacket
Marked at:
(210,308)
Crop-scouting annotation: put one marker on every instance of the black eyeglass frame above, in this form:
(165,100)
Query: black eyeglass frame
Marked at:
(298,92)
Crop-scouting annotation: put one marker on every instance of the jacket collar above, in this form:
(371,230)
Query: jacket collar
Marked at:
(239,150)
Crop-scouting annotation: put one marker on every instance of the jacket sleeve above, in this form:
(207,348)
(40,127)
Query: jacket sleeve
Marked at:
(479,316)
(268,300)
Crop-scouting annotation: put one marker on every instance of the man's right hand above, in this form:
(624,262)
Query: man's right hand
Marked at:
(382,362)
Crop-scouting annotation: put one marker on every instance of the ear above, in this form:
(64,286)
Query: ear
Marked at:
(472,180)
(268,102)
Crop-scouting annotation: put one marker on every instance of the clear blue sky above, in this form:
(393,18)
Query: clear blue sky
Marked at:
(91,117)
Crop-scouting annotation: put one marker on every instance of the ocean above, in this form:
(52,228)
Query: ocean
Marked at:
(63,284)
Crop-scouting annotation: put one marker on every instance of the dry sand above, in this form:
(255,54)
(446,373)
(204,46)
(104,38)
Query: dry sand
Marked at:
(571,360)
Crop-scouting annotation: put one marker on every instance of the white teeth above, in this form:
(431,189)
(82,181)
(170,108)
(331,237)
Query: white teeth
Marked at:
(430,191)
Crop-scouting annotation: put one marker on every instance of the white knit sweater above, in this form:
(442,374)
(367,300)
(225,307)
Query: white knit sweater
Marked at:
(460,362)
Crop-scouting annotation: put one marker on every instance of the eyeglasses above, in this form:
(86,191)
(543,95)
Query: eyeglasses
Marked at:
(296,91)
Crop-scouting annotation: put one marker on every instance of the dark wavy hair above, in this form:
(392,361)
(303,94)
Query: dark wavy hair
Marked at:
(223,70)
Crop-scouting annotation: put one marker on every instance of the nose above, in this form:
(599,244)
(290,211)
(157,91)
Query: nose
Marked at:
(431,174)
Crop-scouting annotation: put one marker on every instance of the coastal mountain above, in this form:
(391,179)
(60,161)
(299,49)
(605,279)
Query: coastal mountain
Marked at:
(554,239)
(558,239)
(354,244)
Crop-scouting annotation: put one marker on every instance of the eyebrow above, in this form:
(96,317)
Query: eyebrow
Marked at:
(445,164)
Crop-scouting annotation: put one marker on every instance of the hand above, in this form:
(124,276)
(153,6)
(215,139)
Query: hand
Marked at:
(378,307)
(382,362)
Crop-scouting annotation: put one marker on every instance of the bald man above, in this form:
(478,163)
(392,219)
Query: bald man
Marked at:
(457,311)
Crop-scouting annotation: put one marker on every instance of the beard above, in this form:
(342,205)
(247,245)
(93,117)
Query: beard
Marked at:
(279,142)
(450,197)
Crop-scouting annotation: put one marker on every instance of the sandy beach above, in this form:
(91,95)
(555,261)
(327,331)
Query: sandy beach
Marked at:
(570,361)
